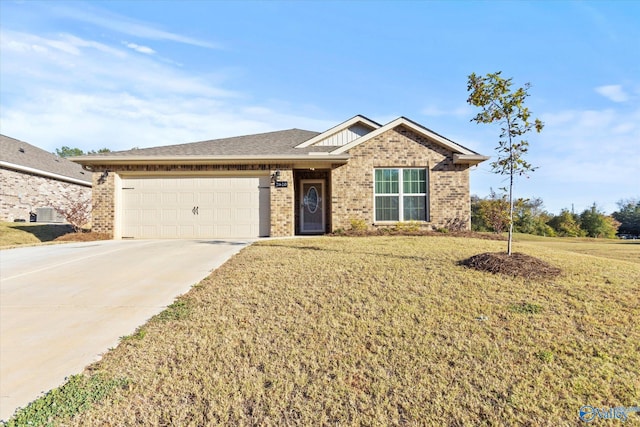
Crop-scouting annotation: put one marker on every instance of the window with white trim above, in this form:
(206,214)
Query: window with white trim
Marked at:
(400,194)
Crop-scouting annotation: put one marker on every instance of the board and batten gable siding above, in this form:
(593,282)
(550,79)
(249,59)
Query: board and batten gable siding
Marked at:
(352,184)
(345,136)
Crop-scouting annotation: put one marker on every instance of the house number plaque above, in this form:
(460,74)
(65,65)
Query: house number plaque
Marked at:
(280,184)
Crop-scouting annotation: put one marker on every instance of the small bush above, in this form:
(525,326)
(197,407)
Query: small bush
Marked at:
(77,212)
(358,225)
(408,227)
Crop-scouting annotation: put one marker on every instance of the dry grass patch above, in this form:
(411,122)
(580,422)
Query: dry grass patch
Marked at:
(381,331)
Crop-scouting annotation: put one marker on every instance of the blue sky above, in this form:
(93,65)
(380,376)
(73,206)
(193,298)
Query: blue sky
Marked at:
(124,74)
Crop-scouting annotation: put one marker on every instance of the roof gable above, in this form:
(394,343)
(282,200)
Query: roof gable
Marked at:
(403,121)
(343,134)
(22,156)
(288,145)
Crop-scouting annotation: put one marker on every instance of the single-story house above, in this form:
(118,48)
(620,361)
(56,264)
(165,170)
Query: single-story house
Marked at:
(33,182)
(284,183)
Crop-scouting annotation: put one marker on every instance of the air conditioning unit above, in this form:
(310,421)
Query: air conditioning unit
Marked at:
(48,215)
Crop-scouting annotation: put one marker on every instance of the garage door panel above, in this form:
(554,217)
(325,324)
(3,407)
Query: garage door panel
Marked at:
(163,207)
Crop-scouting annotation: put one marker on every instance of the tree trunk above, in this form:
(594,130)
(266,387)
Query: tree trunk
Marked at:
(510,214)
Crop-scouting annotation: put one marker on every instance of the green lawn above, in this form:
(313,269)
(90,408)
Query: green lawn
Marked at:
(377,331)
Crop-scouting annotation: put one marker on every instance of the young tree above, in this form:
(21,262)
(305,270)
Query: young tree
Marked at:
(500,104)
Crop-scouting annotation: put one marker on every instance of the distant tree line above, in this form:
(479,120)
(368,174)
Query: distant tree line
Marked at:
(492,214)
(72,152)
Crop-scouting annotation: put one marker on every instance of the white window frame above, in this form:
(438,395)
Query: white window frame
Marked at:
(401,194)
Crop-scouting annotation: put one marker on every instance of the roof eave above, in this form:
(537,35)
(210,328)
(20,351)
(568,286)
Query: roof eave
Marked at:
(209,160)
(469,159)
(45,174)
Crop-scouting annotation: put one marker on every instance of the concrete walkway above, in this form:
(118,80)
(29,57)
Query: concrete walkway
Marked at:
(63,306)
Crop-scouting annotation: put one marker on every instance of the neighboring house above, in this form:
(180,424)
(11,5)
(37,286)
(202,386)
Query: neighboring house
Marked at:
(35,181)
(284,183)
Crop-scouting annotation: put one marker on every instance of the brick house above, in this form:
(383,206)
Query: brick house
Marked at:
(284,183)
(34,181)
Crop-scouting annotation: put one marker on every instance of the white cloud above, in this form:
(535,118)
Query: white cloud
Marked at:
(66,90)
(613,92)
(141,49)
(124,25)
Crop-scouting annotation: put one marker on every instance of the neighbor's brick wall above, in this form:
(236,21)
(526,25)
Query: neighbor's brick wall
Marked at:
(281,199)
(22,193)
(352,184)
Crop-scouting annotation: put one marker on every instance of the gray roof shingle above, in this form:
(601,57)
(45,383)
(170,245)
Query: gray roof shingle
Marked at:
(269,143)
(20,153)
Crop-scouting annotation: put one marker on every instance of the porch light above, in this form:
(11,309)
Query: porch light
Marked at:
(276,175)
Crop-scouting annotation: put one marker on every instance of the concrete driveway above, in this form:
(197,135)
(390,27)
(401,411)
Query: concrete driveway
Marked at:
(63,306)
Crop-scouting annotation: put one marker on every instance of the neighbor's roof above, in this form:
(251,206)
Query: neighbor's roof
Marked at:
(21,156)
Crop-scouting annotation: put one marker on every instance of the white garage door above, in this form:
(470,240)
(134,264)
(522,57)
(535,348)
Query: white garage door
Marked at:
(200,207)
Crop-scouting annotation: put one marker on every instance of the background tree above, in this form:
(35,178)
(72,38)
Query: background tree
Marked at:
(566,224)
(500,104)
(494,212)
(100,151)
(629,216)
(595,223)
(65,151)
(531,218)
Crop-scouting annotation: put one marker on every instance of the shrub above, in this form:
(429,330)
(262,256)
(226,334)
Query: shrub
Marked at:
(358,225)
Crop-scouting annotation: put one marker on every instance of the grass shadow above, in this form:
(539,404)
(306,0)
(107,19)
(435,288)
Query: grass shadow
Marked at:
(46,232)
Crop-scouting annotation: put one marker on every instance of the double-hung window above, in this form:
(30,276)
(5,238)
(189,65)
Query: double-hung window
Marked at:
(401,194)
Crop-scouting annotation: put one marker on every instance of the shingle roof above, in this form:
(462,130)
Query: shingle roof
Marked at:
(20,153)
(269,143)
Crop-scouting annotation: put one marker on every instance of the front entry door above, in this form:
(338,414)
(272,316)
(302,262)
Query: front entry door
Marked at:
(312,206)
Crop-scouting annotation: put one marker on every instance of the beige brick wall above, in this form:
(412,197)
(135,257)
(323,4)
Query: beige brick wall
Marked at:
(282,206)
(104,209)
(22,193)
(352,184)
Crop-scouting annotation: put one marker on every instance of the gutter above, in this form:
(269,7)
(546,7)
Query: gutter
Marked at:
(44,173)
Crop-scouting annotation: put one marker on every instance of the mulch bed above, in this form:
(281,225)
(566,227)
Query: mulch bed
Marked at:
(88,236)
(517,265)
(400,232)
